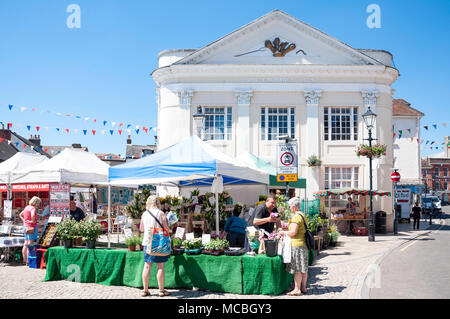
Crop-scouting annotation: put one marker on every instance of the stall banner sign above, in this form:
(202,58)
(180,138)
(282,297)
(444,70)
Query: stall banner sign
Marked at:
(59,199)
(403,197)
(26,188)
(287,162)
(7,208)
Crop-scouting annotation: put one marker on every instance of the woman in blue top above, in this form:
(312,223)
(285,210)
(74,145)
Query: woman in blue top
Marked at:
(235,228)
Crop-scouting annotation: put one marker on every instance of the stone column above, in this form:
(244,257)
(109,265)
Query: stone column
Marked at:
(242,132)
(312,140)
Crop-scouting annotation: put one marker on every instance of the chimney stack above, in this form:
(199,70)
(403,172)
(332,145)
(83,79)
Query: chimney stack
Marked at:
(36,140)
(129,140)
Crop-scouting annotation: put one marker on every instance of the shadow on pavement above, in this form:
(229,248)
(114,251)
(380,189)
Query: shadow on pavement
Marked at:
(316,289)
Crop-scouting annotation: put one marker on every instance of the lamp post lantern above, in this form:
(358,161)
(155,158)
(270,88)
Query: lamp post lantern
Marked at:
(199,118)
(369,119)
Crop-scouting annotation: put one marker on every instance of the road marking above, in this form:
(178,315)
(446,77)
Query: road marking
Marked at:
(413,241)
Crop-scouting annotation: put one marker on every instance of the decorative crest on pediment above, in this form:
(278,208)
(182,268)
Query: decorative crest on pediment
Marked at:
(278,48)
(243,97)
(312,97)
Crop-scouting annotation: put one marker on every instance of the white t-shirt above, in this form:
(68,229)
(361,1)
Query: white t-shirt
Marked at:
(150,222)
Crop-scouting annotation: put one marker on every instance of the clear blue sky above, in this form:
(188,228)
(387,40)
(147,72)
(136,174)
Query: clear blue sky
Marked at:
(102,70)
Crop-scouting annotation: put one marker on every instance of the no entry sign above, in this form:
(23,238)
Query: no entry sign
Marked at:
(287,167)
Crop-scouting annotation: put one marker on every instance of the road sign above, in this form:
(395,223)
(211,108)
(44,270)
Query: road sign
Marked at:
(287,162)
(287,178)
(395,176)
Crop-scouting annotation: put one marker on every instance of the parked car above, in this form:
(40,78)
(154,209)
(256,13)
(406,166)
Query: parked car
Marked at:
(431,205)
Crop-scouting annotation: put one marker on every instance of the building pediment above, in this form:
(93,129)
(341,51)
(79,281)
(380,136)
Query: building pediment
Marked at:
(278,38)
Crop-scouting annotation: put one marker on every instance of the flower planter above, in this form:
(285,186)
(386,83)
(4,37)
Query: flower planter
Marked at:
(90,244)
(177,251)
(193,251)
(271,247)
(207,251)
(68,243)
(217,252)
(131,248)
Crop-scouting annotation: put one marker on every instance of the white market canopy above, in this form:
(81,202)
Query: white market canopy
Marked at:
(70,166)
(190,162)
(19,161)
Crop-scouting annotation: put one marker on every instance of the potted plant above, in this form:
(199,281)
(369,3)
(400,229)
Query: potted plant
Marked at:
(271,244)
(138,241)
(209,247)
(177,250)
(90,231)
(136,208)
(67,231)
(313,161)
(370,152)
(253,239)
(131,243)
(193,246)
(333,235)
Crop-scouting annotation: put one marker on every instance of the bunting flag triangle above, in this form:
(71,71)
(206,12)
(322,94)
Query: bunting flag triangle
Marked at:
(28,127)
(111,131)
(37,128)
(84,131)
(57,129)
(120,125)
(93,132)
(45,150)
(444,124)
(113,123)
(412,139)
(435,126)
(401,132)
(104,123)
(23,108)
(10,107)
(75,131)
(394,134)
(432,143)
(120,132)
(425,127)
(427,142)
(10,124)
(24,145)
(129,125)
(137,131)
(17,144)
(409,130)
(67,130)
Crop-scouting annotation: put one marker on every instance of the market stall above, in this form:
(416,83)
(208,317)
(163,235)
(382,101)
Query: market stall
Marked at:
(350,219)
(189,163)
(229,274)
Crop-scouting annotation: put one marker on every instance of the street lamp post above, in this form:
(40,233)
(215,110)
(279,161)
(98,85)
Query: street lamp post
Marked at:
(369,119)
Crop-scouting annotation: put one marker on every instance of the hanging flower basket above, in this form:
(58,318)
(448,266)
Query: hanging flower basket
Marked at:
(370,152)
(313,160)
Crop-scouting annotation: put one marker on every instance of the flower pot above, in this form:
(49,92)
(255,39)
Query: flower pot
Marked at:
(254,245)
(271,247)
(217,252)
(193,251)
(90,244)
(207,251)
(131,248)
(177,251)
(68,243)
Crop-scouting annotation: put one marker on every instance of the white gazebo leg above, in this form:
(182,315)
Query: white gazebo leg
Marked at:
(109,214)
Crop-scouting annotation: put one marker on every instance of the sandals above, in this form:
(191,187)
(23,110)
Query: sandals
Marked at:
(163,293)
(145,294)
(294,293)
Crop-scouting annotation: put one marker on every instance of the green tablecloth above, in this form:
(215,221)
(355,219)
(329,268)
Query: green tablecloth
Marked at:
(232,274)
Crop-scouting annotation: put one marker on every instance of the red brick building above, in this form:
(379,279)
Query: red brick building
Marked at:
(436,173)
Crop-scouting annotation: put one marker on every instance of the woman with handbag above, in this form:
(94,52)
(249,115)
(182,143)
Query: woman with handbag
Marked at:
(30,226)
(156,244)
(299,251)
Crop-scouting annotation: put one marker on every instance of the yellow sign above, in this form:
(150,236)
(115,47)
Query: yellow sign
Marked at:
(287,177)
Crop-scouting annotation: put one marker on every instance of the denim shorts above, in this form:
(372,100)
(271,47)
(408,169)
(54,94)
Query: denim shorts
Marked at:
(33,236)
(154,259)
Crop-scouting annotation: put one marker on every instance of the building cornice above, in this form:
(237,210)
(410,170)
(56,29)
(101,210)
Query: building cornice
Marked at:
(280,73)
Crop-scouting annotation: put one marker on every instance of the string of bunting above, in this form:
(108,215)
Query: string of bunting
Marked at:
(121,126)
(428,143)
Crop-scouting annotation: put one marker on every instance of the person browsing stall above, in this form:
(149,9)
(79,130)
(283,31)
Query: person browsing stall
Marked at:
(235,228)
(263,215)
(299,251)
(351,206)
(29,219)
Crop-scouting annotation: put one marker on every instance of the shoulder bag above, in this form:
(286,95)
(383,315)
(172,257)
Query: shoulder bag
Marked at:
(309,237)
(159,240)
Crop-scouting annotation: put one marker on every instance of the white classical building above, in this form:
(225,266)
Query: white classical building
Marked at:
(276,76)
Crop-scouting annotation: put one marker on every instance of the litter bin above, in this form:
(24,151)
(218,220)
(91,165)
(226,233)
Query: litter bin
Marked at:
(380,222)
